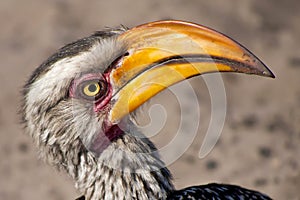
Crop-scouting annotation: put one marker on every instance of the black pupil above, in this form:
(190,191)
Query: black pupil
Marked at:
(92,87)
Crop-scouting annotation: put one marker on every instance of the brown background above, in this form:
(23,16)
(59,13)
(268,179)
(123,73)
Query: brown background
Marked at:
(259,147)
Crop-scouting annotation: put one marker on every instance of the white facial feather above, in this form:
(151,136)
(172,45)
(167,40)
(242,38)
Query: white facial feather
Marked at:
(99,57)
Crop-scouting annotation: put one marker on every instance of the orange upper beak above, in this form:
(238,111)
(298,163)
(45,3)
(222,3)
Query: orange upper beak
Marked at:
(163,53)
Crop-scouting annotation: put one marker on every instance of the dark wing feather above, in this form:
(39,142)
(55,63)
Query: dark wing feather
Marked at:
(217,192)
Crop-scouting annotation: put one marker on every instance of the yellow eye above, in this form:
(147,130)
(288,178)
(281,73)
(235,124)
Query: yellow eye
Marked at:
(91,89)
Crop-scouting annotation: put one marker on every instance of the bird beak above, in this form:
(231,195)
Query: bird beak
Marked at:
(160,54)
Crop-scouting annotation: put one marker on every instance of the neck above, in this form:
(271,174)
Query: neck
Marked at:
(128,168)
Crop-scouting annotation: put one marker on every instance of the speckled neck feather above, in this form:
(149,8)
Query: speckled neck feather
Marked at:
(129,168)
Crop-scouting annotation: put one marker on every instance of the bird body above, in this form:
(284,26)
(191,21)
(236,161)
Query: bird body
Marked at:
(77,106)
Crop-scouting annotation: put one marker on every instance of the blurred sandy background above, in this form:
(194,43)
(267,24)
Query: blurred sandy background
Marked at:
(260,143)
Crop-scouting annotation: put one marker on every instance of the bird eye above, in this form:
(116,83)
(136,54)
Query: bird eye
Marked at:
(91,89)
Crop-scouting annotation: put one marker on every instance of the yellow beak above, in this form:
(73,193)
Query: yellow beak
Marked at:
(160,54)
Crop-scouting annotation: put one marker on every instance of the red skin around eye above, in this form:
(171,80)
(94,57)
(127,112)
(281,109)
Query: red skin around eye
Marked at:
(86,77)
(99,104)
(104,101)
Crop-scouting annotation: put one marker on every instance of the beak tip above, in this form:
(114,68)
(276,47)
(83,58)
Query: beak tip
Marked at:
(261,68)
(265,71)
(268,74)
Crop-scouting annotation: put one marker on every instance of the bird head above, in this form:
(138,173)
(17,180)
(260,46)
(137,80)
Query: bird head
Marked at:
(77,101)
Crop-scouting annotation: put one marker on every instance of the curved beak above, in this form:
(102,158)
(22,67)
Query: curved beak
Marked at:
(160,54)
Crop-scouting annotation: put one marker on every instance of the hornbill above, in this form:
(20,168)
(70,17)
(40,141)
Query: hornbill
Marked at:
(77,106)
